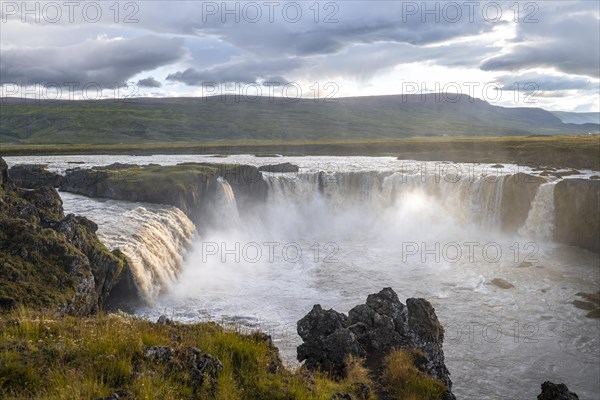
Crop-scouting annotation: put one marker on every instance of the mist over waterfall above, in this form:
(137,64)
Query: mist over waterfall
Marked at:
(385,201)
(330,237)
(540,220)
(398,210)
(341,228)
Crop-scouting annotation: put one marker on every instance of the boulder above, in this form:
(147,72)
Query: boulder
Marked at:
(163,320)
(327,341)
(160,354)
(577,213)
(552,391)
(501,283)
(373,329)
(31,176)
(279,168)
(203,368)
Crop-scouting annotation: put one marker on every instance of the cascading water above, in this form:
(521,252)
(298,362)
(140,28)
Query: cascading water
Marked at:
(369,224)
(224,210)
(352,228)
(466,199)
(540,220)
(153,237)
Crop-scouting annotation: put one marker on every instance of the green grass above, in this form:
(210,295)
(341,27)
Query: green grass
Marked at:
(78,358)
(147,120)
(404,381)
(49,357)
(576,151)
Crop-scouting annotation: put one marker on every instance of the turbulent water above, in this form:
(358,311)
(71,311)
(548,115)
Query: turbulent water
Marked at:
(153,237)
(343,228)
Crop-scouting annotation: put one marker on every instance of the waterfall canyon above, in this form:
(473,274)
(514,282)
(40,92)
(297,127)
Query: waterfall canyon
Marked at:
(487,245)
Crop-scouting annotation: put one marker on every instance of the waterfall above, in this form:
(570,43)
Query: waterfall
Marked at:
(225,213)
(155,250)
(383,205)
(540,220)
(154,237)
(475,200)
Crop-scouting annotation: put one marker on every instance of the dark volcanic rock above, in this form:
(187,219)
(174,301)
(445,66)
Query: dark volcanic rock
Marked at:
(160,354)
(203,368)
(283,167)
(50,261)
(106,267)
(373,329)
(31,176)
(551,391)
(246,181)
(577,213)
(327,341)
(191,187)
(163,320)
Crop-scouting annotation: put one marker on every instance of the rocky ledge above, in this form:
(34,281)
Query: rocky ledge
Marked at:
(32,176)
(279,168)
(191,187)
(49,260)
(373,330)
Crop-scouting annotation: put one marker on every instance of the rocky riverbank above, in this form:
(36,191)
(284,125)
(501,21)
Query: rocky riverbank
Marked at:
(53,267)
(49,260)
(191,187)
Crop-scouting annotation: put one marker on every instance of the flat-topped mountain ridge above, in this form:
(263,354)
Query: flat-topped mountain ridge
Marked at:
(155,120)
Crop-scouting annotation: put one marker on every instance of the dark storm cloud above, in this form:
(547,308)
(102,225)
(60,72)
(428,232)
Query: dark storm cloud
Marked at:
(357,22)
(149,82)
(367,40)
(550,83)
(102,62)
(247,71)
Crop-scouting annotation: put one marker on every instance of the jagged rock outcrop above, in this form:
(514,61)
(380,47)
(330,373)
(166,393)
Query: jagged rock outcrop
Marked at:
(203,368)
(518,191)
(577,213)
(552,391)
(50,261)
(373,329)
(278,168)
(327,341)
(188,186)
(31,176)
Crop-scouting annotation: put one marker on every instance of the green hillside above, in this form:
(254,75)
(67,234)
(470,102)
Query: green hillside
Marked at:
(147,120)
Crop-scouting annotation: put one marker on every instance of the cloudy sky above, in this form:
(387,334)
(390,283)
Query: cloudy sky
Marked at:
(540,54)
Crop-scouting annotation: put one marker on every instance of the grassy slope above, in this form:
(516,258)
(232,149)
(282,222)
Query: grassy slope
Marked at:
(212,119)
(64,358)
(576,151)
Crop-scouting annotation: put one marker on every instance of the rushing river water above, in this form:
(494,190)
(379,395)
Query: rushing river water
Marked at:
(425,229)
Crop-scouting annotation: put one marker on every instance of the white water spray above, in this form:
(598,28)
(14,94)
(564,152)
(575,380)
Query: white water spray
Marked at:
(540,220)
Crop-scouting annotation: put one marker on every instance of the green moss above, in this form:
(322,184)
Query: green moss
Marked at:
(40,266)
(404,380)
(34,265)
